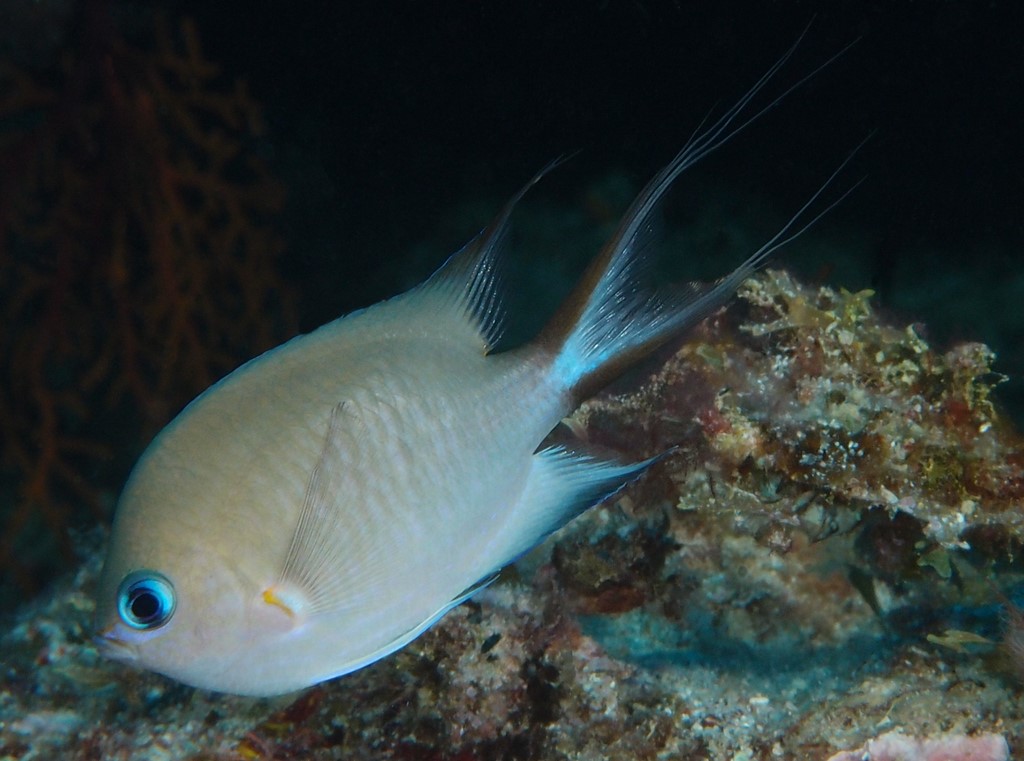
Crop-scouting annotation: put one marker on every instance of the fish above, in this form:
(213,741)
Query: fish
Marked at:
(327,502)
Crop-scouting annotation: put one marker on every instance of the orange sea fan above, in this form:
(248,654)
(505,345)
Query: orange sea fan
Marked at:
(137,265)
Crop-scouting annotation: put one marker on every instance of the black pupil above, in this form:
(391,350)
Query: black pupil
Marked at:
(144,605)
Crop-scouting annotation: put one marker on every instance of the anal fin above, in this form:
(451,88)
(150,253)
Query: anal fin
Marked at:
(563,483)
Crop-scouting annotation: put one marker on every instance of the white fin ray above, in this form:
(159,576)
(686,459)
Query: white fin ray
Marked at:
(468,285)
(562,484)
(321,573)
(611,320)
(408,636)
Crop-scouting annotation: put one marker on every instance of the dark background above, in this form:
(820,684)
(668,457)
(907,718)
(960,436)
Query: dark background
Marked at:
(398,128)
(386,116)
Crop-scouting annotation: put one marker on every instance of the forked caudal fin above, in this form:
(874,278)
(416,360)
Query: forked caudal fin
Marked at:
(610,321)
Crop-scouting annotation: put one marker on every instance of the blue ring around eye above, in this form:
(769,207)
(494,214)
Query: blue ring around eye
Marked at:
(145,600)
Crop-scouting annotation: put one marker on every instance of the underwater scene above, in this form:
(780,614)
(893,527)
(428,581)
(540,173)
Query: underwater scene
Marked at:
(705,446)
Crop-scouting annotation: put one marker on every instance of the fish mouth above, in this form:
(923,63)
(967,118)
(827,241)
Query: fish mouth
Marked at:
(111,646)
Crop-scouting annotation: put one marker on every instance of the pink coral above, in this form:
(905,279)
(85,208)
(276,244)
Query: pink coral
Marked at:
(894,746)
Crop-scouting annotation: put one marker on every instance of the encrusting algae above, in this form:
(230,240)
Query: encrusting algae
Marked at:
(817,406)
(719,608)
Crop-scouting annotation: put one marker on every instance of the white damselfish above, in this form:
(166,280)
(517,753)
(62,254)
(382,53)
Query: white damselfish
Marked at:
(328,501)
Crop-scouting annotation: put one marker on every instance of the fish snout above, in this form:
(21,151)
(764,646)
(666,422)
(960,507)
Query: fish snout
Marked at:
(110,645)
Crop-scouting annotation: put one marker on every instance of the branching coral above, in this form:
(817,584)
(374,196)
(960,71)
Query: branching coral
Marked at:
(136,260)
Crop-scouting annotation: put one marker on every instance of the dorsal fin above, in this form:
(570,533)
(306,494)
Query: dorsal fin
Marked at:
(469,283)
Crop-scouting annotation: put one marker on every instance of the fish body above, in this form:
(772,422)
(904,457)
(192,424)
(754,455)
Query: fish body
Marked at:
(215,502)
(328,501)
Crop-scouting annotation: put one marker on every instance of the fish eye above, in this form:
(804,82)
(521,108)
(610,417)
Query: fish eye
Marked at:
(145,600)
